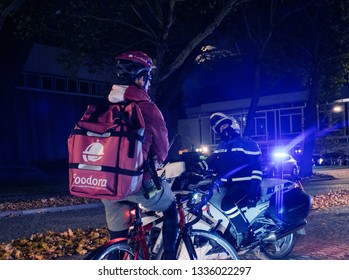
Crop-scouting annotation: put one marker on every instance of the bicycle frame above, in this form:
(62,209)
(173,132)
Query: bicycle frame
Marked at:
(138,235)
(184,228)
(146,235)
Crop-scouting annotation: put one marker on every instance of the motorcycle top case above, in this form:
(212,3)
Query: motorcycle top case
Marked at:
(105,152)
(290,206)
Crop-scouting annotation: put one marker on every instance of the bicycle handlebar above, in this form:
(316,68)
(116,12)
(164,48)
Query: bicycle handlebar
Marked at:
(196,208)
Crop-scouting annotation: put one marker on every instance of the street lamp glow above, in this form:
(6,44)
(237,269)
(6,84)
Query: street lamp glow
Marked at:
(337,109)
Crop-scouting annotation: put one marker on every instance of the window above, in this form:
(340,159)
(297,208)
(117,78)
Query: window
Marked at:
(93,89)
(338,122)
(296,123)
(99,89)
(47,83)
(337,119)
(260,126)
(291,121)
(271,125)
(33,81)
(84,87)
(72,86)
(285,125)
(60,84)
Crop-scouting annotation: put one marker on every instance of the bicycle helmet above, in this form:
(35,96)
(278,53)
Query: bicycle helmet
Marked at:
(217,120)
(131,65)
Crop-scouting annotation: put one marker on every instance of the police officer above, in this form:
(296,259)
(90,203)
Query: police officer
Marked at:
(237,161)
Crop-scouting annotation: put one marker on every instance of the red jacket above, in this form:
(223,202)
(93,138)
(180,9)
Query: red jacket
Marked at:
(156,134)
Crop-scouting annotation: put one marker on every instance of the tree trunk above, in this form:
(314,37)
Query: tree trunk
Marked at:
(170,94)
(248,131)
(310,126)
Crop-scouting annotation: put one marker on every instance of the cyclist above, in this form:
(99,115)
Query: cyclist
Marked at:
(133,75)
(237,161)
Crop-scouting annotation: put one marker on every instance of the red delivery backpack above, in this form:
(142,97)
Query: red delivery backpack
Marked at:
(105,152)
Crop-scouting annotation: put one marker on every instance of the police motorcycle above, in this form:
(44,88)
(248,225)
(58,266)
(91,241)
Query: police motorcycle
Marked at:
(276,222)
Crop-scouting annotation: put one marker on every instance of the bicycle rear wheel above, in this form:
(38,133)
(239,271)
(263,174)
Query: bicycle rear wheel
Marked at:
(112,250)
(204,245)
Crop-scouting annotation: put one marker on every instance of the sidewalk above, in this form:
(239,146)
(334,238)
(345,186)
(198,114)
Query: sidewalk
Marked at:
(15,213)
(335,171)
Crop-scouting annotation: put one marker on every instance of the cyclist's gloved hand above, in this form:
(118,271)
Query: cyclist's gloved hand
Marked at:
(252,201)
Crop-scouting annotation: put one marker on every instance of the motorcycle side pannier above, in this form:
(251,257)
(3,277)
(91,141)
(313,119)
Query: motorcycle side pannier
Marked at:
(290,206)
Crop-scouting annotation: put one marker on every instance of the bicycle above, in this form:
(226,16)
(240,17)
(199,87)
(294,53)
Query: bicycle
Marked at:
(145,239)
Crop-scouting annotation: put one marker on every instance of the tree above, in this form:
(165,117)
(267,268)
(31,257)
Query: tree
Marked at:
(304,39)
(95,31)
(8,7)
(317,46)
(11,64)
(260,22)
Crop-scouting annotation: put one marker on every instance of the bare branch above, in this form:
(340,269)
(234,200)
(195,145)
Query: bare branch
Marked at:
(170,20)
(200,37)
(8,10)
(143,21)
(157,14)
(120,22)
(249,32)
(295,10)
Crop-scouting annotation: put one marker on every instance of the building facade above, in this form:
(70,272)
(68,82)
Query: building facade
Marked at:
(278,124)
(44,105)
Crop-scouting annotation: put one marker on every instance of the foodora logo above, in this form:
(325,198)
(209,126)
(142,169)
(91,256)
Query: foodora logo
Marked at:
(89,181)
(93,152)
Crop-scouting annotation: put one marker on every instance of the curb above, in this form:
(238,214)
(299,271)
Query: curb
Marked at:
(319,178)
(49,210)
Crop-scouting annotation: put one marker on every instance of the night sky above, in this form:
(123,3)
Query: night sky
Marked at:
(228,80)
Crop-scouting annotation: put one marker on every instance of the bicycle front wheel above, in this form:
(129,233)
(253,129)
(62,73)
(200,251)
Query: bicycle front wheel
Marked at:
(204,245)
(112,251)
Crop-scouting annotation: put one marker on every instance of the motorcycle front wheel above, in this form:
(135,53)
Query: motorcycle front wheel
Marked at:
(280,248)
